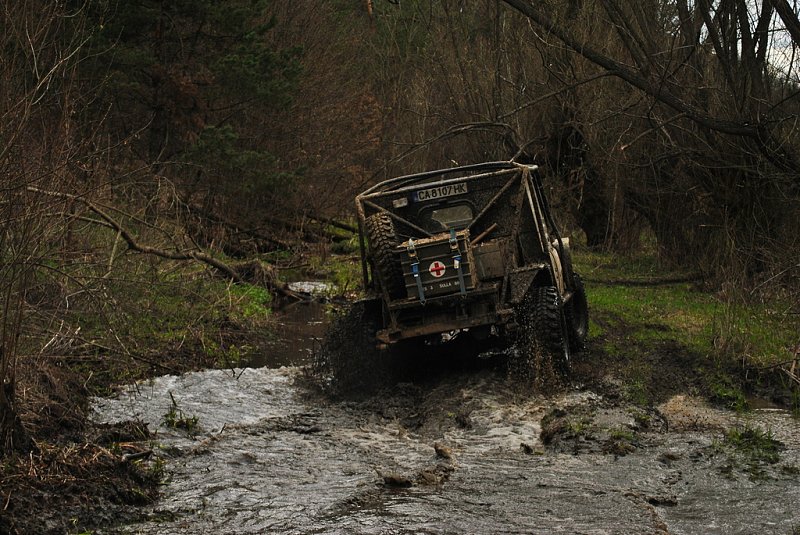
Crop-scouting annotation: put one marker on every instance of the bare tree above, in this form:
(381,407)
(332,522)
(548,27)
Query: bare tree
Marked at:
(41,43)
(700,135)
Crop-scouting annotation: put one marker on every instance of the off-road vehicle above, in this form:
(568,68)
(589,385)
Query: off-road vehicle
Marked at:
(470,250)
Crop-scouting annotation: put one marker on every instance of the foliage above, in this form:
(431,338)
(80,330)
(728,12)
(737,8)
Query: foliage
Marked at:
(234,171)
(253,301)
(186,87)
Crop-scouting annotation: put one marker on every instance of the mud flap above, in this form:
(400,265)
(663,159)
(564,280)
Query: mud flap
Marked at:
(521,283)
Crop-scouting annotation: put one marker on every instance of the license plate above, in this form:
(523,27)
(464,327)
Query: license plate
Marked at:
(438,192)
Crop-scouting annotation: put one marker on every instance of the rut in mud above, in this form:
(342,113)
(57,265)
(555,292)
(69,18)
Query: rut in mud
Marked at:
(458,448)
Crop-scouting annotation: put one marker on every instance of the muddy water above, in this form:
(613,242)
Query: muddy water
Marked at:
(300,328)
(460,450)
(270,456)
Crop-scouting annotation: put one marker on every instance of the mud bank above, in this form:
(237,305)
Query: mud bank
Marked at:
(465,453)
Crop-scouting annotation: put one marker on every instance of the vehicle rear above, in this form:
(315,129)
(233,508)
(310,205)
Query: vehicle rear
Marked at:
(457,249)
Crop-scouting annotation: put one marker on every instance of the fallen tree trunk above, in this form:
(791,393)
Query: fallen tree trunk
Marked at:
(200,256)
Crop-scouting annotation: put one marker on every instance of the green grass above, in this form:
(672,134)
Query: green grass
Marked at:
(656,313)
(643,318)
(251,301)
(161,317)
(343,272)
(760,334)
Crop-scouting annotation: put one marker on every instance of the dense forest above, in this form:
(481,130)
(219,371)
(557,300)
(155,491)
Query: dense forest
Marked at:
(148,143)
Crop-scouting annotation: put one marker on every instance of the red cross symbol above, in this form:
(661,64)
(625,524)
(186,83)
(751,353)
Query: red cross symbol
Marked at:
(437,269)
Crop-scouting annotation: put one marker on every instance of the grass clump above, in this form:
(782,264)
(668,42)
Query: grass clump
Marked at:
(750,449)
(175,418)
(754,443)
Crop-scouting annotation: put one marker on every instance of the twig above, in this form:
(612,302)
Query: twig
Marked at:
(792,361)
(759,285)
(131,355)
(112,256)
(792,376)
(128,457)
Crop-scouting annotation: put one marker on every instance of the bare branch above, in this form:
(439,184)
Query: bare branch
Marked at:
(134,245)
(657,91)
(789,18)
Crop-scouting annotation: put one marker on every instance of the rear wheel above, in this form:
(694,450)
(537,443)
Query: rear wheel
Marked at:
(545,326)
(382,242)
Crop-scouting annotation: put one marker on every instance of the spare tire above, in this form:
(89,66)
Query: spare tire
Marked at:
(382,245)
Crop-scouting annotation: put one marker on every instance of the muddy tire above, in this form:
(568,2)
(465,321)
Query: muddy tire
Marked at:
(577,312)
(545,326)
(382,242)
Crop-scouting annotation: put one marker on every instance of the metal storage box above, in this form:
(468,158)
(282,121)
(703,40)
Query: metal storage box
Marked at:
(436,264)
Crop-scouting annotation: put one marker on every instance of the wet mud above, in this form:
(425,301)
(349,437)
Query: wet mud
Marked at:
(462,452)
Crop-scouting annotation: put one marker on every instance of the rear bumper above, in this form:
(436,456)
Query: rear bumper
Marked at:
(408,318)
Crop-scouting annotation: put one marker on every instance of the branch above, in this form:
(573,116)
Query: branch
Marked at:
(551,94)
(625,73)
(498,128)
(134,245)
(789,18)
(332,222)
(200,211)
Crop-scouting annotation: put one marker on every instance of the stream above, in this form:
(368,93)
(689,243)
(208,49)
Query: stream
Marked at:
(459,452)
